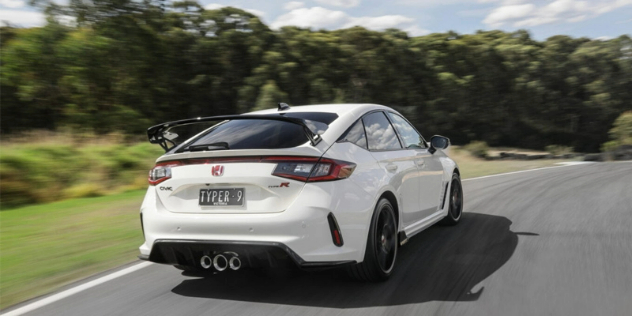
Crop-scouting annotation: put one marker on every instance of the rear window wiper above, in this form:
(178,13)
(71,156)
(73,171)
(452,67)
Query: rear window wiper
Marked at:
(211,146)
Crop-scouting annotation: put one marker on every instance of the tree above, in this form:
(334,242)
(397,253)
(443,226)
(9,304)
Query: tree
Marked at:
(621,132)
(127,64)
(269,96)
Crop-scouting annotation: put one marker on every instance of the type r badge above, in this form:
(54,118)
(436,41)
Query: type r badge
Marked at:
(282,185)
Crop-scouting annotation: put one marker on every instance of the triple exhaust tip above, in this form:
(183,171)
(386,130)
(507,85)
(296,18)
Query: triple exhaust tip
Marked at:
(220,263)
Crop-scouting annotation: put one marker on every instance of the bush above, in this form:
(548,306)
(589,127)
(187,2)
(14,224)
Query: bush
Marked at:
(609,146)
(84,190)
(558,149)
(620,134)
(38,173)
(477,149)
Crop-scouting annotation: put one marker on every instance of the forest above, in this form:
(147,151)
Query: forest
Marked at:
(121,66)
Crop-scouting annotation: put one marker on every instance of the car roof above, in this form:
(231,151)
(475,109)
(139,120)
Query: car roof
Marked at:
(339,108)
(347,113)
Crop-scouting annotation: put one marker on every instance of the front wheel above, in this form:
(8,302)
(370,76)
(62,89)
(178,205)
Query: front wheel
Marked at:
(455,201)
(381,248)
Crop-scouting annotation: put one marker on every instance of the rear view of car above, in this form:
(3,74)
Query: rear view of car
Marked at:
(268,189)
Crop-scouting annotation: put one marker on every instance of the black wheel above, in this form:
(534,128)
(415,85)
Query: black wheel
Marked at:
(381,248)
(455,200)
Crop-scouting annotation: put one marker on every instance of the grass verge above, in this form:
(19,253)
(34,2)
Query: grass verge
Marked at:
(472,167)
(46,246)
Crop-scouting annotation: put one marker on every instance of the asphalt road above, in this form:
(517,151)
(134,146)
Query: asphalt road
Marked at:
(548,242)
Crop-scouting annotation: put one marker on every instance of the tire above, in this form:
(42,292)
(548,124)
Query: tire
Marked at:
(455,202)
(381,247)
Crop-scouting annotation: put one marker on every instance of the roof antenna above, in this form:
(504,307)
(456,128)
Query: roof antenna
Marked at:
(283,106)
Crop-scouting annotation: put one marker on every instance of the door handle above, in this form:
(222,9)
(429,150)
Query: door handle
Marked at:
(391,167)
(420,162)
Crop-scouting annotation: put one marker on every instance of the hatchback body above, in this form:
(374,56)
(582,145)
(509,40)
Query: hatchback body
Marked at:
(317,186)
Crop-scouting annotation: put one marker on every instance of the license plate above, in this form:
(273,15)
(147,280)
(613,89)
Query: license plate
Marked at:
(221,197)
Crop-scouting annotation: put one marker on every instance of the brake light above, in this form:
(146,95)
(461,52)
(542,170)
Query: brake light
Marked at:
(312,169)
(162,171)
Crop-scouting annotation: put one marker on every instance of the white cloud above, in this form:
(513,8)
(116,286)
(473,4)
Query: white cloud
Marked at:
(292,5)
(431,3)
(578,18)
(510,12)
(315,17)
(22,18)
(436,3)
(571,11)
(12,3)
(321,18)
(379,22)
(340,3)
(416,31)
(504,2)
(215,6)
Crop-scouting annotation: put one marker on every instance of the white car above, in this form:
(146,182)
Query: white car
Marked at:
(319,185)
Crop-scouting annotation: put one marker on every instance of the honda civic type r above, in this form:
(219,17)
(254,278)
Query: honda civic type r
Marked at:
(319,185)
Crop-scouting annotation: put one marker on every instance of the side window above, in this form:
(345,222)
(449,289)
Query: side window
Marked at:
(407,132)
(355,135)
(379,132)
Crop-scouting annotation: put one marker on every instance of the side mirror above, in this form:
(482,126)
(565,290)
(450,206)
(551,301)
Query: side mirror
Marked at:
(439,142)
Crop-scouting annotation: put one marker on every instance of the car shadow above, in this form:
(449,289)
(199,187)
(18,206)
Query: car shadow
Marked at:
(440,264)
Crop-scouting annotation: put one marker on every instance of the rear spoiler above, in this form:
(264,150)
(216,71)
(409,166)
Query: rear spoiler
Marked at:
(157,133)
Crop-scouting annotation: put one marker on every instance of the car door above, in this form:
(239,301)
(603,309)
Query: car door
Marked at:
(386,148)
(430,169)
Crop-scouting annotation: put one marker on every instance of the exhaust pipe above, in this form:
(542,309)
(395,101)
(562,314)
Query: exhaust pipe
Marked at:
(234,263)
(220,263)
(206,262)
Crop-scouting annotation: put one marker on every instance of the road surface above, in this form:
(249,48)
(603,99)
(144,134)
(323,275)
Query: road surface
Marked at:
(556,241)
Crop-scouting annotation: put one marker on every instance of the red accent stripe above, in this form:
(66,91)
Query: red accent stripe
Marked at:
(337,236)
(270,159)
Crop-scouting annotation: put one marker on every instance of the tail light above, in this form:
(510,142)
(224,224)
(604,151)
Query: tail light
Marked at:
(312,169)
(307,169)
(162,171)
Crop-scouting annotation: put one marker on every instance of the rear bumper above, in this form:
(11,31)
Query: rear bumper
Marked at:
(252,254)
(300,232)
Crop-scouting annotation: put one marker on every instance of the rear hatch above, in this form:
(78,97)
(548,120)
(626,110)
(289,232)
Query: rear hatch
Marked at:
(228,169)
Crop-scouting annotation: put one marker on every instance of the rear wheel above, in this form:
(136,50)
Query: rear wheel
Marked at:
(381,248)
(455,202)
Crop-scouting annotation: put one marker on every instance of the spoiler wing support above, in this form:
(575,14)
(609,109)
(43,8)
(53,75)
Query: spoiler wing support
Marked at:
(155,134)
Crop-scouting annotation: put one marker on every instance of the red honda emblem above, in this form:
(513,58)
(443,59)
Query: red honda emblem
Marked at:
(217,171)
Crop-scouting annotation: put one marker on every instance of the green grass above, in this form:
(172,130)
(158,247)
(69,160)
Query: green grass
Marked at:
(472,167)
(45,246)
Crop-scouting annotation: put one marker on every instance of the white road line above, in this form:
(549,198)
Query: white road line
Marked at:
(522,171)
(75,290)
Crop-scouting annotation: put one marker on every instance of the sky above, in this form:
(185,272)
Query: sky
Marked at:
(598,19)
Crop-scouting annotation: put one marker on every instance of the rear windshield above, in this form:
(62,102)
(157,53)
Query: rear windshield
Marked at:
(259,134)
